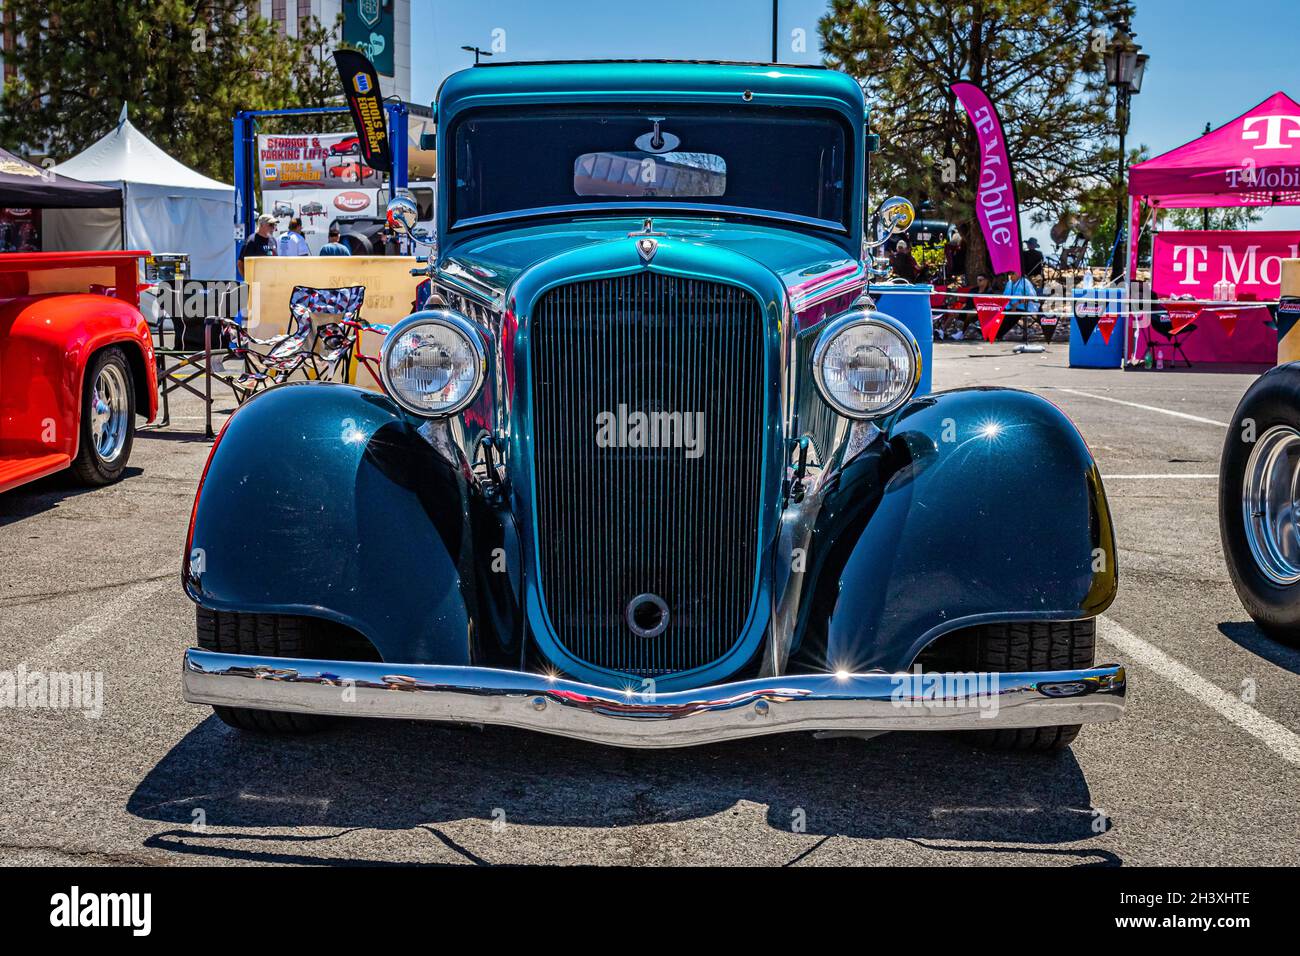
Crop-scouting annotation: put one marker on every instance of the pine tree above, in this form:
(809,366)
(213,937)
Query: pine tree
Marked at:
(183,68)
(1039,61)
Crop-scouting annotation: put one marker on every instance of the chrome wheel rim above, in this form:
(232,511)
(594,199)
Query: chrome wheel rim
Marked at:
(109,413)
(1270,501)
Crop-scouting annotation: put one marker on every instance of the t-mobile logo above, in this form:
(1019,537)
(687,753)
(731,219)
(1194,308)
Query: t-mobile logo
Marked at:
(1191,261)
(1276,128)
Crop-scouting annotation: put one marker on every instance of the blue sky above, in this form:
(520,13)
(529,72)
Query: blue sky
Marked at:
(1207,64)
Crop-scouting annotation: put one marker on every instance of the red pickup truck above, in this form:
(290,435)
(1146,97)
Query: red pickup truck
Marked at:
(76,364)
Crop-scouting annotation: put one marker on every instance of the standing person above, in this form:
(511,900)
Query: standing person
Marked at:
(1031,262)
(335,246)
(902,262)
(1018,308)
(388,244)
(293,242)
(260,243)
(955,254)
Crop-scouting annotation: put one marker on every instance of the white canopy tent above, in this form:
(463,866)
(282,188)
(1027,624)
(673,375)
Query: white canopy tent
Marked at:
(166,206)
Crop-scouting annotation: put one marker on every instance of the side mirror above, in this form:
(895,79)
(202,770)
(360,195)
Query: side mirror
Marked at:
(428,141)
(896,215)
(403,215)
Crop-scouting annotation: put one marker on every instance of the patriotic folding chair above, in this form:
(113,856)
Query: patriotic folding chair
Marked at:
(319,341)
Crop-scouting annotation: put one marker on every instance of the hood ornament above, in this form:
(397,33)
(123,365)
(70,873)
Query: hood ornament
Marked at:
(646,244)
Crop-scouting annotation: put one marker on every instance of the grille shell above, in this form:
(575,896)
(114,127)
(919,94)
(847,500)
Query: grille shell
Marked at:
(617,522)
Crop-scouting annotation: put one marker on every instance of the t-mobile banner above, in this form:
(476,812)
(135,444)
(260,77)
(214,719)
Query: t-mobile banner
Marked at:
(1194,263)
(995,202)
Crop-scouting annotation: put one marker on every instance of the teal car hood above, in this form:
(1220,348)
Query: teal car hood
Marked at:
(805,264)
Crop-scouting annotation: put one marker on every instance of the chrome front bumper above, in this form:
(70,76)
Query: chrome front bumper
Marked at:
(799,702)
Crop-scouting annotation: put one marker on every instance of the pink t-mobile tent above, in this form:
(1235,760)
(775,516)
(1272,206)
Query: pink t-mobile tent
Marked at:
(1254,160)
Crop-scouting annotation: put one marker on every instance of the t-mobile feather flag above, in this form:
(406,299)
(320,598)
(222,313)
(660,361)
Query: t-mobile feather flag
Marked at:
(995,201)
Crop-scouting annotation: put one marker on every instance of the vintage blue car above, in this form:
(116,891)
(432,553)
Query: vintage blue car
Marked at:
(652,470)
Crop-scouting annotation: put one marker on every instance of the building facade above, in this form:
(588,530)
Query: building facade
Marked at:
(385,24)
(7,42)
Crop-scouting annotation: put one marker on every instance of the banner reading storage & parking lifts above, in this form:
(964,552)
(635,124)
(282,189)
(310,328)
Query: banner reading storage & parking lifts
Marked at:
(995,202)
(313,161)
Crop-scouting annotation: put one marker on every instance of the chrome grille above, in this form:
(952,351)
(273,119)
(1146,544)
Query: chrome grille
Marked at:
(617,522)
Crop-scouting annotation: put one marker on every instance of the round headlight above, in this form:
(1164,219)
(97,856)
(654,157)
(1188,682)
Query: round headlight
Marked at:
(866,364)
(433,363)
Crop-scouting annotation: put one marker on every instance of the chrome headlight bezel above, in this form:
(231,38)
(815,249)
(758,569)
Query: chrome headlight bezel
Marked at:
(463,326)
(841,324)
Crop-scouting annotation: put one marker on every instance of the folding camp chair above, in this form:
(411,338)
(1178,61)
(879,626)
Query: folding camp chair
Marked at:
(316,350)
(186,327)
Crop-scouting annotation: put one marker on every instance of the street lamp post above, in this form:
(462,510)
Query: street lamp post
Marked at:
(776,19)
(477,52)
(1125,66)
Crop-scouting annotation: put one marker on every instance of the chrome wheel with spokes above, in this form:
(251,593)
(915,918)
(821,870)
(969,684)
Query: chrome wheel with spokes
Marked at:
(1259,502)
(107,425)
(110,413)
(1270,502)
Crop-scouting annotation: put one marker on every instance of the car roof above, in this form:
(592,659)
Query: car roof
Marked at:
(665,80)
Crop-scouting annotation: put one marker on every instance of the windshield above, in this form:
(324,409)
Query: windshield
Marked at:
(782,160)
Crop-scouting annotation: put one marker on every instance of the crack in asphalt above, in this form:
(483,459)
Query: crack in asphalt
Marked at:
(35,597)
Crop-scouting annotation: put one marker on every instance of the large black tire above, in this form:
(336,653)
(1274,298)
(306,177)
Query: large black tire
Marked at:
(1274,400)
(1035,646)
(267,635)
(89,467)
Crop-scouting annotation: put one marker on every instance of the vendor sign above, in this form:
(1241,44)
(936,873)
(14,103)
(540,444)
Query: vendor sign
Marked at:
(317,208)
(313,161)
(365,103)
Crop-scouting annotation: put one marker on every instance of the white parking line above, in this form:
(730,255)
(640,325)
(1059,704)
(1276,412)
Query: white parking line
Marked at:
(1269,732)
(1108,477)
(95,625)
(1146,408)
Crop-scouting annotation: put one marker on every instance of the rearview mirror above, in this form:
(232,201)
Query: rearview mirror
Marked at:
(896,215)
(403,215)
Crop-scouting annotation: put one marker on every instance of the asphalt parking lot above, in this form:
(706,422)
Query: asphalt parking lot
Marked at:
(1204,769)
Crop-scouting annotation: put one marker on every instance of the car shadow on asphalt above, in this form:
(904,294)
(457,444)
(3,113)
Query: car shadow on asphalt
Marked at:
(45,494)
(1246,634)
(935,790)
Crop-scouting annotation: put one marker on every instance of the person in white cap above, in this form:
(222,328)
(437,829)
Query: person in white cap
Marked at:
(260,243)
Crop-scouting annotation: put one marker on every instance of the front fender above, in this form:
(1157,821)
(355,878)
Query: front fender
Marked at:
(324,500)
(46,342)
(973,506)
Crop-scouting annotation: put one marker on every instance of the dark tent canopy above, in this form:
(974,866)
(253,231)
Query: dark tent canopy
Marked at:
(23,185)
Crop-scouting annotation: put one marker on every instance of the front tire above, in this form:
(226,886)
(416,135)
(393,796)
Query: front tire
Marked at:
(1036,646)
(267,635)
(1259,516)
(107,421)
